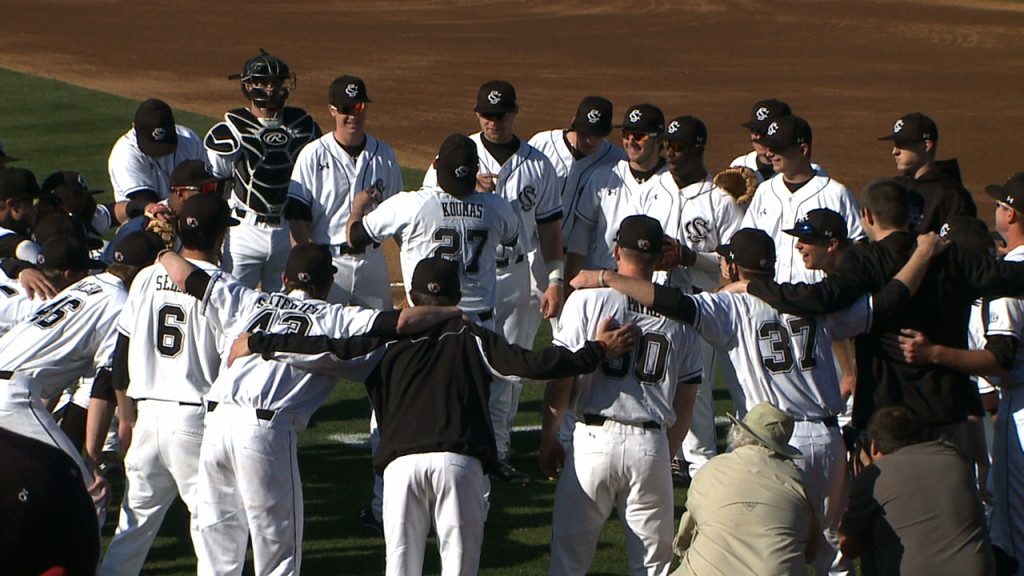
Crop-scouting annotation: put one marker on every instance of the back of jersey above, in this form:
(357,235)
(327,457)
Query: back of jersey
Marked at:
(640,386)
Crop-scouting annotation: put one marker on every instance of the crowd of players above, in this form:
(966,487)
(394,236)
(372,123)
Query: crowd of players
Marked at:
(830,316)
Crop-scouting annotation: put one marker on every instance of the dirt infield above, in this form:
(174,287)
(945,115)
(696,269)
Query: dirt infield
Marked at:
(849,67)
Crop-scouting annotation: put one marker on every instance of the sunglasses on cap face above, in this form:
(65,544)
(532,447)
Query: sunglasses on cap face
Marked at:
(639,136)
(495,116)
(677,147)
(210,188)
(352,110)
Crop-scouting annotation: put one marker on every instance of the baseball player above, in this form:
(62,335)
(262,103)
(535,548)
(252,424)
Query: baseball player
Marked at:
(779,358)
(621,194)
(142,159)
(530,275)
(763,113)
(326,178)
(437,440)
(18,191)
(69,193)
(248,470)
(166,357)
(71,336)
(257,147)
(631,417)
(580,153)
(938,194)
(699,215)
(794,191)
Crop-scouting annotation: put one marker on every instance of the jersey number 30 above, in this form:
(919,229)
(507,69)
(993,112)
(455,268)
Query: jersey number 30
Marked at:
(651,353)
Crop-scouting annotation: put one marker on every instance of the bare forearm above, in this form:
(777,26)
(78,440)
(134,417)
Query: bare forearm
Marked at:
(551,241)
(101,414)
(299,230)
(975,362)
(557,395)
(177,267)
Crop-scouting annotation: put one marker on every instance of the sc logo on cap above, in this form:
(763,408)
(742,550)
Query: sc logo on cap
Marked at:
(352,90)
(635,116)
(159,134)
(673,127)
(897,126)
(594,116)
(462,172)
(494,97)
(772,129)
(762,113)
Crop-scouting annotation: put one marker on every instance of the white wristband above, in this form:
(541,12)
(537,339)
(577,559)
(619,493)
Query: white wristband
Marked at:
(556,273)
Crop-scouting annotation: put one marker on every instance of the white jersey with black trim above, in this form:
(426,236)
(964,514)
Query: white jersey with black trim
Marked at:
(174,354)
(749,160)
(779,358)
(774,209)
(431,222)
(72,336)
(573,176)
(976,341)
(15,305)
(1005,317)
(326,179)
(640,386)
(700,216)
(132,170)
(602,208)
(257,383)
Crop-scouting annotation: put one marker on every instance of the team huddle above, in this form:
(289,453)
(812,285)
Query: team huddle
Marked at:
(864,340)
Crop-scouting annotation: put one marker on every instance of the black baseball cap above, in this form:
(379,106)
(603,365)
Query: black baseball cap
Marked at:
(821,224)
(155,129)
(1011,193)
(72,189)
(310,264)
(62,224)
(687,130)
(750,248)
(18,183)
(138,248)
(346,91)
(205,212)
(68,253)
(641,233)
(764,111)
(913,128)
(969,233)
(4,158)
(192,173)
(786,131)
(457,164)
(593,117)
(496,97)
(644,118)
(437,276)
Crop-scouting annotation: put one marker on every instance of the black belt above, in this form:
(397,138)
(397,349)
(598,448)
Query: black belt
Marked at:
(191,404)
(485,315)
(350,250)
(828,421)
(260,218)
(598,420)
(6,375)
(504,262)
(261,414)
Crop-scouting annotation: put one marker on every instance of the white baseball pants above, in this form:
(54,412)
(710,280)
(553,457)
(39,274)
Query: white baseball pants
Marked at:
(824,462)
(256,253)
(514,316)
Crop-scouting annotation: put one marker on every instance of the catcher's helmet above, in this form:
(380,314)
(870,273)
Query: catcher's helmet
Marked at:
(266,80)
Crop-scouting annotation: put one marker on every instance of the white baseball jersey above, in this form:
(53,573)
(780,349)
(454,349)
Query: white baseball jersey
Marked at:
(258,383)
(574,176)
(431,222)
(749,160)
(976,341)
(528,182)
(640,386)
(174,354)
(701,216)
(326,179)
(72,336)
(779,358)
(1006,318)
(15,245)
(774,209)
(15,305)
(602,208)
(131,170)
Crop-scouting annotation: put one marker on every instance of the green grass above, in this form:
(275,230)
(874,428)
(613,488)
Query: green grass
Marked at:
(54,126)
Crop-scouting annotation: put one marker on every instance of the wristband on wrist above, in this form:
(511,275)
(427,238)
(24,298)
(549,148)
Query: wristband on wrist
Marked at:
(600,279)
(556,273)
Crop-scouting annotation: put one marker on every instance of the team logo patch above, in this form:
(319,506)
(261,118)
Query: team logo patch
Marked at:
(159,134)
(494,97)
(275,138)
(673,127)
(635,116)
(81,182)
(433,287)
(118,256)
(462,172)
(944,231)
(352,90)
(303,276)
(191,222)
(379,185)
(697,230)
(762,114)
(528,198)
(772,129)
(897,126)
(993,317)
(643,244)
(41,260)
(594,116)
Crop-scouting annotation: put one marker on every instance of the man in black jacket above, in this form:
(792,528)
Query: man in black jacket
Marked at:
(431,395)
(938,396)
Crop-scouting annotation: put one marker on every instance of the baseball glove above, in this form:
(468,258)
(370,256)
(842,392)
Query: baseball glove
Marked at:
(740,183)
(163,223)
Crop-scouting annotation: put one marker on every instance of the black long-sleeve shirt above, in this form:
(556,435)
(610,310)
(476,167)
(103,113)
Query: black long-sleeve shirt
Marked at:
(940,309)
(431,392)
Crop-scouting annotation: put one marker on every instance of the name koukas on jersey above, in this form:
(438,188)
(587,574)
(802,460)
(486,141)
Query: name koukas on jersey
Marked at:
(462,210)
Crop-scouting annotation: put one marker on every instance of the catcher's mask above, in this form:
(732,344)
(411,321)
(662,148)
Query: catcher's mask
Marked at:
(266,80)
